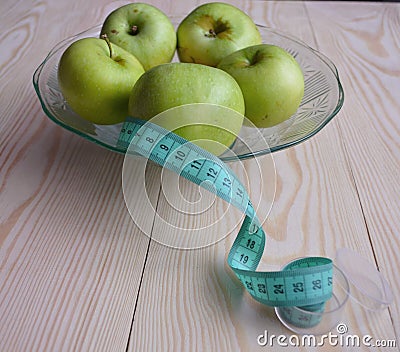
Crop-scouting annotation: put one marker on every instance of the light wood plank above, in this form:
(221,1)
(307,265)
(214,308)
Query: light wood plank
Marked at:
(71,257)
(366,47)
(316,211)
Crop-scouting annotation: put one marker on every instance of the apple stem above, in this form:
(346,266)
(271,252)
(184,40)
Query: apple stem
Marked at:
(105,37)
(134,30)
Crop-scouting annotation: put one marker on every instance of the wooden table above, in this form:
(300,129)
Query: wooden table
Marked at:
(77,274)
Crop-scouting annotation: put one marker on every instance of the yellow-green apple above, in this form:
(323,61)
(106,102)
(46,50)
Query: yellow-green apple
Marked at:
(144,31)
(96,78)
(271,81)
(213,31)
(178,84)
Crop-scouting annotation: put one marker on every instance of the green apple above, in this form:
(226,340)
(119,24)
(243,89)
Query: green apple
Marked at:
(271,80)
(96,78)
(179,84)
(214,30)
(144,31)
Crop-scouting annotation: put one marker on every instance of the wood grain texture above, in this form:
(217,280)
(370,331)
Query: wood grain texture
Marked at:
(66,279)
(316,211)
(365,46)
(78,274)
(71,257)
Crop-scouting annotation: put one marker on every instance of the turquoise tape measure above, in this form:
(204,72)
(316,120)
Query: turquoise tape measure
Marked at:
(305,283)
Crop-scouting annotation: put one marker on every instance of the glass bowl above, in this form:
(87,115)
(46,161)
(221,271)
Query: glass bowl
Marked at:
(323,98)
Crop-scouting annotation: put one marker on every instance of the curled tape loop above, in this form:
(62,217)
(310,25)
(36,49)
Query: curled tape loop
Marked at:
(305,283)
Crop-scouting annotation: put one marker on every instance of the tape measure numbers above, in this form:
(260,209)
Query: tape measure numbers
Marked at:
(305,283)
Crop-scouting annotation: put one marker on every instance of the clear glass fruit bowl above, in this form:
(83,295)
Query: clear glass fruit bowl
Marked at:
(323,98)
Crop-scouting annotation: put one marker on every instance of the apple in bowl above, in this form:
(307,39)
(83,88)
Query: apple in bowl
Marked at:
(96,79)
(214,30)
(214,103)
(144,31)
(271,81)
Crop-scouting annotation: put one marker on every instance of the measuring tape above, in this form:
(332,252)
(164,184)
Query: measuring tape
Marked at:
(305,283)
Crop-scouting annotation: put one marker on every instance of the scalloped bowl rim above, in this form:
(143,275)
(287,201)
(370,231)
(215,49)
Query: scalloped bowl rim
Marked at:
(322,57)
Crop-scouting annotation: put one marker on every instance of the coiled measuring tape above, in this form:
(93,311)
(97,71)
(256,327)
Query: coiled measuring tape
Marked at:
(305,283)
